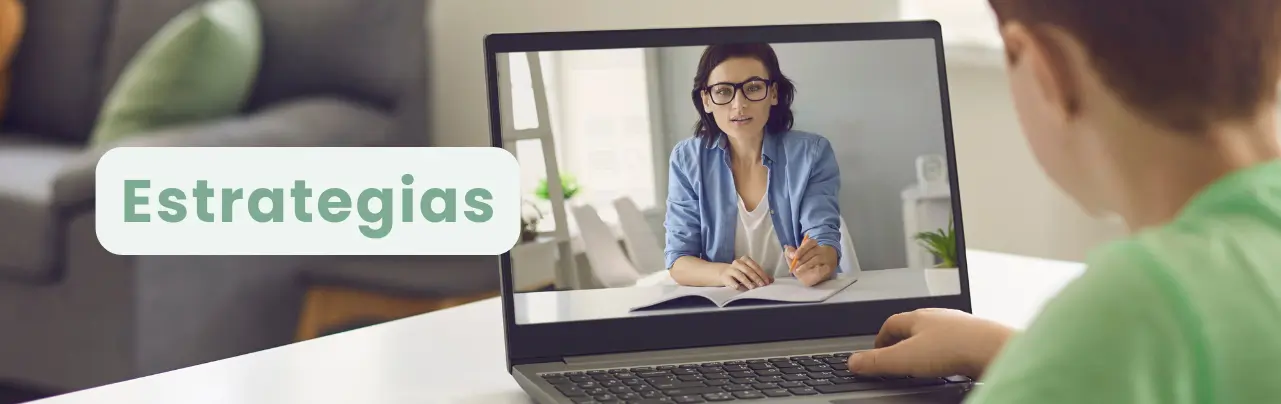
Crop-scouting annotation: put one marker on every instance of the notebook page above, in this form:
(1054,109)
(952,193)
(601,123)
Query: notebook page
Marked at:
(791,290)
(717,295)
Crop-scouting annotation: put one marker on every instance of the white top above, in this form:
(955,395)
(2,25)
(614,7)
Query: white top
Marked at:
(399,362)
(755,238)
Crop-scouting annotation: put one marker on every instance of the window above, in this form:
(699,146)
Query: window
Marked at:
(599,108)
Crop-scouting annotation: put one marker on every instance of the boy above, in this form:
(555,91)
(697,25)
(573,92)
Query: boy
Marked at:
(1164,113)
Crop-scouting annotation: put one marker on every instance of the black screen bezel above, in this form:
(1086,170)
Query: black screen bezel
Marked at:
(537,343)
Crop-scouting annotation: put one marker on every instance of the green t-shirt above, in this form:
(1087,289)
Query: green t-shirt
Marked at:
(1189,312)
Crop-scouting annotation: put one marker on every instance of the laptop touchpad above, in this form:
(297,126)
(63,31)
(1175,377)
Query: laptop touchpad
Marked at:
(943,396)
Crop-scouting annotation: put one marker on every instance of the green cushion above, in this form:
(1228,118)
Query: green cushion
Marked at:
(200,66)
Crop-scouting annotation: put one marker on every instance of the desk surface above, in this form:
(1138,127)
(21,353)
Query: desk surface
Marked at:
(456,355)
(597,304)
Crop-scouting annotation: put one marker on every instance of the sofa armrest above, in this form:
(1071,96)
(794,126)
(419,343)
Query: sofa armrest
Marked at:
(313,122)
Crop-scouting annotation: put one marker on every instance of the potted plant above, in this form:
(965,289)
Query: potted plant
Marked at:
(568,186)
(944,277)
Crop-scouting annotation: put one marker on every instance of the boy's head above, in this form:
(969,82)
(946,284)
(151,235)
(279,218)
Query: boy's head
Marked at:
(1079,69)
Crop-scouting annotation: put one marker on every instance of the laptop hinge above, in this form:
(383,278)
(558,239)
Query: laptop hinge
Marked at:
(728,352)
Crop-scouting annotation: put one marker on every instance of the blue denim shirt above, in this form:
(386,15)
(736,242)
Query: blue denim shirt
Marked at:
(702,201)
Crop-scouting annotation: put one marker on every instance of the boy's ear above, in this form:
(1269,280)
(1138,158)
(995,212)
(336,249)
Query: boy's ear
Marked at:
(1043,53)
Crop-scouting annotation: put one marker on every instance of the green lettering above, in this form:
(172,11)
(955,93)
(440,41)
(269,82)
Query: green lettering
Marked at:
(427,206)
(170,198)
(277,198)
(333,205)
(202,194)
(407,200)
(477,199)
(132,200)
(300,193)
(229,197)
(385,214)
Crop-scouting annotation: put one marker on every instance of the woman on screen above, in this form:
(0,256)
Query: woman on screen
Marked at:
(750,199)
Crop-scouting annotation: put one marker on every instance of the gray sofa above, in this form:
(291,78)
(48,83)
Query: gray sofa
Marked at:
(72,316)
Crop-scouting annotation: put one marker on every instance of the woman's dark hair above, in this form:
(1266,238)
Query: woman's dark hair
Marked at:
(780,116)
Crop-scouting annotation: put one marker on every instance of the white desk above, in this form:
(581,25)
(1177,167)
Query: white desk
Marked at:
(606,303)
(456,355)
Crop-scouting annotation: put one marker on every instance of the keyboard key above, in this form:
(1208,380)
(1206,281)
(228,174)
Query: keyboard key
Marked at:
(720,382)
(840,366)
(776,360)
(665,367)
(835,360)
(625,375)
(743,380)
(627,395)
(632,382)
(734,368)
(776,393)
(803,391)
(596,372)
(818,382)
(611,383)
(957,379)
(821,356)
(620,389)
(765,386)
(642,369)
(715,376)
(738,387)
(650,394)
(693,391)
(769,372)
(547,375)
(677,385)
(819,368)
(689,378)
(711,370)
(572,391)
(616,371)
(821,375)
(748,394)
(684,372)
(710,364)
(688,400)
(596,391)
(688,366)
(580,379)
(789,385)
(588,385)
(798,358)
(808,362)
(842,355)
(751,361)
(788,364)
(652,374)
(744,373)
(733,363)
(641,388)
(792,371)
(603,377)
(722,396)
(759,366)
(573,373)
(769,379)
(559,380)
(606,397)
(842,380)
(796,377)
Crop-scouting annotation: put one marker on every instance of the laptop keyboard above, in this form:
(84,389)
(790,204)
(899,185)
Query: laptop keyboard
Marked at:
(728,381)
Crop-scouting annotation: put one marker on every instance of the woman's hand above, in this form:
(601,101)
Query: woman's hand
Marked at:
(932,343)
(816,263)
(744,273)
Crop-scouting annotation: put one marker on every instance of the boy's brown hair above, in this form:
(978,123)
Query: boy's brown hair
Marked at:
(1184,64)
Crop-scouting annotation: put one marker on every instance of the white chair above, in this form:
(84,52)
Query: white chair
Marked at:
(849,259)
(609,263)
(641,241)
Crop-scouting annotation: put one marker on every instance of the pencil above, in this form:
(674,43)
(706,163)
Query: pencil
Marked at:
(792,267)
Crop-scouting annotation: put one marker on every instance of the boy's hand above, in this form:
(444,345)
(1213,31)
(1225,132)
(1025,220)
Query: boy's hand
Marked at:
(932,343)
(744,273)
(816,263)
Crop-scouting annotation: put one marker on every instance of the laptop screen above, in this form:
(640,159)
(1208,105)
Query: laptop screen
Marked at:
(674,180)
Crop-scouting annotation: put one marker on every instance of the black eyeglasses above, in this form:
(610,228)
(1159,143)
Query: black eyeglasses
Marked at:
(755,89)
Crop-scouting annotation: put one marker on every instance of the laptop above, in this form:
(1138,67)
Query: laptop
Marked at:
(591,312)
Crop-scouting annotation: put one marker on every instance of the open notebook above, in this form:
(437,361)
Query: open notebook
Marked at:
(783,290)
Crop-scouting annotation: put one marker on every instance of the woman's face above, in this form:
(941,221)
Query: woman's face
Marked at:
(740,113)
